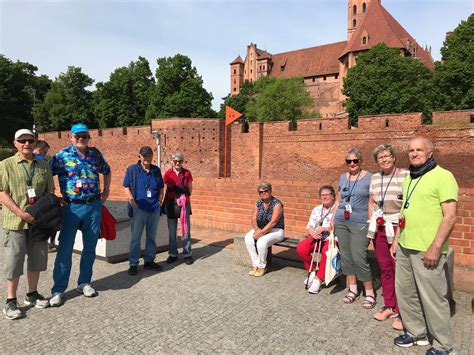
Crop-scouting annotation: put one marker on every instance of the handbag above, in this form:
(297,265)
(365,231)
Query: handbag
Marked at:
(333,260)
(173,210)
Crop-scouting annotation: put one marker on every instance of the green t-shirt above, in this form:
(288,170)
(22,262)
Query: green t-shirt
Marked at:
(424,213)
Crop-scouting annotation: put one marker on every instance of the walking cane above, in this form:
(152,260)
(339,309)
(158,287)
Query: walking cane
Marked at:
(312,260)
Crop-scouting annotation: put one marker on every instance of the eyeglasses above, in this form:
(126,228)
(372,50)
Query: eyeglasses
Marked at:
(325,195)
(384,156)
(177,161)
(350,161)
(82,136)
(263,192)
(23,141)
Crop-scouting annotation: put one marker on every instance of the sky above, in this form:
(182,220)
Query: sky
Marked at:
(102,35)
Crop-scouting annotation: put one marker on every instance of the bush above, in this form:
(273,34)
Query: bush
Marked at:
(6,153)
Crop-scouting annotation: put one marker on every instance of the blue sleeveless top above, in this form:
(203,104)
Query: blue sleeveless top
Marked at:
(264,216)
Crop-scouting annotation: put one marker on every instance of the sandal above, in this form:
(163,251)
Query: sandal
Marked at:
(350,297)
(368,304)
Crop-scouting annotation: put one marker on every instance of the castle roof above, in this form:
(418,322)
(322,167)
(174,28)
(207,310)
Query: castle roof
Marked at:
(320,60)
(378,26)
(237,60)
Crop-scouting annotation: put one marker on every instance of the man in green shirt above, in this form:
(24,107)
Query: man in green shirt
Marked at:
(23,179)
(427,218)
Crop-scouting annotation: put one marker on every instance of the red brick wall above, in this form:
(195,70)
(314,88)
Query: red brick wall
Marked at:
(296,162)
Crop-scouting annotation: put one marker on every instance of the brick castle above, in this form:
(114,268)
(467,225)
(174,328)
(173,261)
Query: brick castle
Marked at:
(296,162)
(324,67)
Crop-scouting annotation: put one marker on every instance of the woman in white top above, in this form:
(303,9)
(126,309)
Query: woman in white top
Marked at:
(385,202)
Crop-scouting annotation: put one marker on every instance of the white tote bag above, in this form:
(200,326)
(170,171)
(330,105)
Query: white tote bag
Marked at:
(333,260)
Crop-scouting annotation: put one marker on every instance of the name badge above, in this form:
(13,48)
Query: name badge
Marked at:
(378,213)
(148,193)
(31,192)
(78,183)
(348,208)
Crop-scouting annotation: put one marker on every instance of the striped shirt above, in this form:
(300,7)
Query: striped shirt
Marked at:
(13,181)
(390,194)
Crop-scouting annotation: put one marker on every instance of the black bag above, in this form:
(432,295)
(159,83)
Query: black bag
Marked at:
(172,209)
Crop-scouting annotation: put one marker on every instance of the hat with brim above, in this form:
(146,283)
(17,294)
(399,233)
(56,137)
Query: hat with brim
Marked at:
(145,150)
(22,132)
(79,128)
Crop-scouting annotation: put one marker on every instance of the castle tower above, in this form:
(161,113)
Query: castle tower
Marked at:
(356,11)
(236,75)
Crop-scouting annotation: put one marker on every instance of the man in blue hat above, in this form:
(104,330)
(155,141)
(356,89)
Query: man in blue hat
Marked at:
(78,168)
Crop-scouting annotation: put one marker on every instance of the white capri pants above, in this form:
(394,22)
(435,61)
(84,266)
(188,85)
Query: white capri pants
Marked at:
(258,251)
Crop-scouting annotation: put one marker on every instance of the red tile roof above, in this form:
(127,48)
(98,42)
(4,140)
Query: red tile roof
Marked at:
(320,60)
(237,60)
(382,27)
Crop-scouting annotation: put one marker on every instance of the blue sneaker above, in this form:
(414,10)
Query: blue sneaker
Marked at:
(405,341)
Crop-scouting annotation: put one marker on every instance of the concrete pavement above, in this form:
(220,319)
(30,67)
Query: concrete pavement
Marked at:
(212,306)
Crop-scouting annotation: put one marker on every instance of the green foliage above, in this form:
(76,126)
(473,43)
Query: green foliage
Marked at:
(179,90)
(454,76)
(385,82)
(19,89)
(271,99)
(67,102)
(123,100)
(278,99)
(6,153)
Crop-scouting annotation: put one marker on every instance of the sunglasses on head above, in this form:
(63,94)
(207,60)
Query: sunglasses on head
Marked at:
(82,136)
(263,191)
(23,141)
(349,161)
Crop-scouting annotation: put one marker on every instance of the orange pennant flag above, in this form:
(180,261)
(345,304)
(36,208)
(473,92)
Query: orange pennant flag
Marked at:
(231,115)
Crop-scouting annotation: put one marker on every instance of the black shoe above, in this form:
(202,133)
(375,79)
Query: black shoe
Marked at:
(133,270)
(152,265)
(188,260)
(171,259)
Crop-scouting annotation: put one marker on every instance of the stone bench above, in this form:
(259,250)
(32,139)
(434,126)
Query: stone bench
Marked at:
(114,251)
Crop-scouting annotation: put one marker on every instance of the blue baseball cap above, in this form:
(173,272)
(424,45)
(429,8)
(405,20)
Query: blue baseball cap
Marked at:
(79,128)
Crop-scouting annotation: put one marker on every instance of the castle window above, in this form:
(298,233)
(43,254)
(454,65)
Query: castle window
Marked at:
(263,67)
(234,81)
(324,77)
(364,7)
(336,76)
(235,89)
(364,40)
(314,79)
(354,23)
(354,9)
(235,71)
(250,71)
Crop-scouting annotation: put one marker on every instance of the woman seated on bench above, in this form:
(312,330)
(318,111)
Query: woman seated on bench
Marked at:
(318,228)
(268,224)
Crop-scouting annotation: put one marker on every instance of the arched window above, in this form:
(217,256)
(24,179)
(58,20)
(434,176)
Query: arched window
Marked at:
(364,40)
(354,9)
(364,7)
(235,71)
(354,23)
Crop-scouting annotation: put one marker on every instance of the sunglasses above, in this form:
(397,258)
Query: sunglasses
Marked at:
(23,141)
(263,192)
(82,136)
(350,161)
(177,161)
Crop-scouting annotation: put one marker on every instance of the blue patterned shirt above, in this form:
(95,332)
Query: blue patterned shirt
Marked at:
(264,216)
(71,167)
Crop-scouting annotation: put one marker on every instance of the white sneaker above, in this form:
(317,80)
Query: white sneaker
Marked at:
(315,287)
(87,290)
(311,278)
(56,299)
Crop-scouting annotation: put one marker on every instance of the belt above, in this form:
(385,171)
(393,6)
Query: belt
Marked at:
(83,201)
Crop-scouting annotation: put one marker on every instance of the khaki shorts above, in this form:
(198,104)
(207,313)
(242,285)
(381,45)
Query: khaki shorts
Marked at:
(16,245)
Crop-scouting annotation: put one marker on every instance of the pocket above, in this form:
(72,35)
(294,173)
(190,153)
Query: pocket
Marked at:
(6,238)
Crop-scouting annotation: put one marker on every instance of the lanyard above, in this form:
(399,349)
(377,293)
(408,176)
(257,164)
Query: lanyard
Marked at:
(29,178)
(323,218)
(407,200)
(383,194)
(150,176)
(348,198)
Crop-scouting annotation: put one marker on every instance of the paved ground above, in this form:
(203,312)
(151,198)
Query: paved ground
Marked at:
(212,306)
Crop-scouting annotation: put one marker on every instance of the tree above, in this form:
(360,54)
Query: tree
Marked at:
(384,82)
(454,75)
(123,100)
(278,99)
(67,102)
(238,102)
(19,89)
(179,90)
